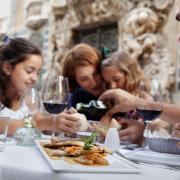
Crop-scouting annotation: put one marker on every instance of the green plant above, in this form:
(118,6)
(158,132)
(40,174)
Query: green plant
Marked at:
(88,142)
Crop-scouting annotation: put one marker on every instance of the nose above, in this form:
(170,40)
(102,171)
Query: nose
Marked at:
(34,78)
(113,85)
(93,82)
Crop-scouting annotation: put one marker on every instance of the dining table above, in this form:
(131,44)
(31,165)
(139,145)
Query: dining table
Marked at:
(27,163)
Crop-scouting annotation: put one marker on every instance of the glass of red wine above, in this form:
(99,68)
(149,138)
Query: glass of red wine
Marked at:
(55,96)
(152,110)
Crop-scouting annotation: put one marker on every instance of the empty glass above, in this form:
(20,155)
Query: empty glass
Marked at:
(4,123)
(26,135)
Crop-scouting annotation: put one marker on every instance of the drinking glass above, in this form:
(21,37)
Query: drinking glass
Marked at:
(156,90)
(4,123)
(151,112)
(31,102)
(55,96)
(30,105)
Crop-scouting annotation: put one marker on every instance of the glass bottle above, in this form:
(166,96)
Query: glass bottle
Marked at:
(26,135)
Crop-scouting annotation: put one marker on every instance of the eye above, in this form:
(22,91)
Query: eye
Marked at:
(117,79)
(29,71)
(83,79)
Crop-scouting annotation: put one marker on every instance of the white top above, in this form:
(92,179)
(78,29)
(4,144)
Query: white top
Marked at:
(14,115)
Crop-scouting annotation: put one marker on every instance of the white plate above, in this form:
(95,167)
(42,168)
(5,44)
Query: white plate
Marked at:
(117,164)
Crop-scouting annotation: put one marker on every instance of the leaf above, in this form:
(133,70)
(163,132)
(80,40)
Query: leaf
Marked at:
(88,142)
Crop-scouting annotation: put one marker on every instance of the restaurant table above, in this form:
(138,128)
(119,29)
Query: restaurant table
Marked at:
(27,163)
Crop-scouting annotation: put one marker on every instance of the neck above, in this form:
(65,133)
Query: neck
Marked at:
(14,98)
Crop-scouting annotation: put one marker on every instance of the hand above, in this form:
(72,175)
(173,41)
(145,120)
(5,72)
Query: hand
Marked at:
(122,100)
(71,110)
(176,131)
(132,130)
(67,123)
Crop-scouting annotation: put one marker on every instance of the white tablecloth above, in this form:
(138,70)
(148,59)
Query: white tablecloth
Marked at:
(26,163)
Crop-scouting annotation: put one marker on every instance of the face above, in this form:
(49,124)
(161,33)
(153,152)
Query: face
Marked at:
(113,78)
(89,79)
(25,74)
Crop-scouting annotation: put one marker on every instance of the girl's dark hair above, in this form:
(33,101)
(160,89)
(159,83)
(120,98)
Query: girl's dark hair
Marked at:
(14,51)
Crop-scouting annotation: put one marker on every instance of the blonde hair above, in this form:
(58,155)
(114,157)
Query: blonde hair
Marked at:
(132,70)
(80,55)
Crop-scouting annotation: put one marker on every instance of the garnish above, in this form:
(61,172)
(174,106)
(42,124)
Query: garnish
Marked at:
(88,142)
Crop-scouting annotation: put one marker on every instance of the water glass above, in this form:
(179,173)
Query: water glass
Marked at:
(4,123)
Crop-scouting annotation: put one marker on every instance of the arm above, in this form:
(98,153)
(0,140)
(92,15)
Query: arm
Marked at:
(124,102)
(170,113)
(65,122)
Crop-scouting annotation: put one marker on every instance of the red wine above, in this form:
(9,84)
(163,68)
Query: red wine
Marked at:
(120,114)
(149,114)
(54,108)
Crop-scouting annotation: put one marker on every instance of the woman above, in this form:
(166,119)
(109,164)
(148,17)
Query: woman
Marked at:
(20,63)
(121,71)
(81,66)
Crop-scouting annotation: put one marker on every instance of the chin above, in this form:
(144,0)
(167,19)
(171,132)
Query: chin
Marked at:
(97,93)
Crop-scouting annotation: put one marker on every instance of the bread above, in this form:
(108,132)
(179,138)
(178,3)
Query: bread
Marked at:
(84,123)
(114,124)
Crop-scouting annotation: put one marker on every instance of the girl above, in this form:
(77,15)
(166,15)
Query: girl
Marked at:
(121,71)
(20,63)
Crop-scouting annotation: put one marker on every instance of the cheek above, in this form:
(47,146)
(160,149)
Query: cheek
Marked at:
(123,84)
(83,84)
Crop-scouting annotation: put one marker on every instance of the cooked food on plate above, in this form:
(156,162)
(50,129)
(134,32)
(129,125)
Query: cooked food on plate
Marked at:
(80,152)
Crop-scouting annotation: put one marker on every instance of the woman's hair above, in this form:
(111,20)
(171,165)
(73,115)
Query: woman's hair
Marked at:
(80,55)
(13,51)
(132,70)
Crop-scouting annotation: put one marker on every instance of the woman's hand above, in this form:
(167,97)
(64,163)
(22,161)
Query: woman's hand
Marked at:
(176,131)
(132,130)
(122,100)
(67,123)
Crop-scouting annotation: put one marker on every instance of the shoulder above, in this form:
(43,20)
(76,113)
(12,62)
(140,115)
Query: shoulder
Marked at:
(12,114)
(80,95)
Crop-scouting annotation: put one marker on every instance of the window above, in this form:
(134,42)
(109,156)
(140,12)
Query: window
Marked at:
(102,35)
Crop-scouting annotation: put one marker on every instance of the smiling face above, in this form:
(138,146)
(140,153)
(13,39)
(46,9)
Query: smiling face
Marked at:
(89,79)
(24,74)
(113,77)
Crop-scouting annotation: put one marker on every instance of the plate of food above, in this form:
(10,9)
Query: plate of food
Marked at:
(83,156)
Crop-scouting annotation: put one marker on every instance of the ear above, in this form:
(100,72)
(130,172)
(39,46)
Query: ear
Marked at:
(6,67)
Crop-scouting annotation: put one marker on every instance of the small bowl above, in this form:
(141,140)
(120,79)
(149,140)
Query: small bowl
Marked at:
(164,145)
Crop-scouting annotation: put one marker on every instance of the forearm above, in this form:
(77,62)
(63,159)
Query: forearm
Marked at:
(13,125)
(43,122)
(171,113)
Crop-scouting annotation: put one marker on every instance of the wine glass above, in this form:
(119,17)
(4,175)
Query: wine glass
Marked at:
(156,90)
(30,102)
(152,110)
(55,96)
(30,105)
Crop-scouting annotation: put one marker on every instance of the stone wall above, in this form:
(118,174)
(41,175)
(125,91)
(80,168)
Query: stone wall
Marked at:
(141,27)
